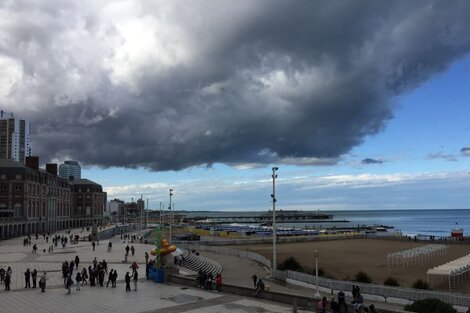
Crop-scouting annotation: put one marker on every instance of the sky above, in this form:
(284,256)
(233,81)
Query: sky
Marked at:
(361,104)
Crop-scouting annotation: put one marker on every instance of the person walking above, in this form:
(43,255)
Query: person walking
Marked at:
(110,245)
(136,276)
(93,245)
(2,275)
(110,278)
(77,260)
(132,250)
(342,302)
(127,279)
(42,282)
(115,275)
(134,267)
(218,282)
(127,250)
(259,287)
(146,258)
(78,279)
(255,280)
(84,276)
(7,279)
(68,283)
(27,278)
(34,276)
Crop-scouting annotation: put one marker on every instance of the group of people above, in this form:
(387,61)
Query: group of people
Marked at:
(5,278)
(131,248)
(206,281)
(339,305)
(95,275)
(258,283)
(56,239)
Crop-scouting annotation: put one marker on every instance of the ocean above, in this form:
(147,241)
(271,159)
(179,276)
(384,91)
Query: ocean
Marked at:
(438,223)
(410,222)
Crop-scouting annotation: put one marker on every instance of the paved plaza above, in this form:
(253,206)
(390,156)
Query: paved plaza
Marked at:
(150,297)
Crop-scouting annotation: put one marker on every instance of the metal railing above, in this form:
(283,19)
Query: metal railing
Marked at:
(229,251)
(381,290)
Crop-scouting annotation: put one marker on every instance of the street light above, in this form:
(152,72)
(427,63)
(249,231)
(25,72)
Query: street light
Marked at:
(171,194)
(317,292)
(273,196)
(141,211)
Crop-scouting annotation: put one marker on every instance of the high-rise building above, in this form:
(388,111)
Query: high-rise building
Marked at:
(70,169)
(14,138)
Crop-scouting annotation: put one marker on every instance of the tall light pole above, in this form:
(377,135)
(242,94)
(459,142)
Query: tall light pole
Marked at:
(273,196)
(147,215)
(161,226)
(171,194)
(141,211)
(317,292)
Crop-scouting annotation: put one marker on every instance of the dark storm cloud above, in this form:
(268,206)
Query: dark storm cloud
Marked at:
(167,85)
(371,161)
(465,151)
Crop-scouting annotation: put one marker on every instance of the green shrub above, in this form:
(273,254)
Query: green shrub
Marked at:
(362,277)
(391,281)
(430,306)
(421,284)
(290,264)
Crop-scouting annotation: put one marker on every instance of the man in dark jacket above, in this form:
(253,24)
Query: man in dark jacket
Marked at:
(27,278)
(127,279)
(34,275)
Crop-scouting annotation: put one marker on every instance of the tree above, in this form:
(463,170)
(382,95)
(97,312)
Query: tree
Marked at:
(362,277)
(290,264)
(430,306)
(391,281)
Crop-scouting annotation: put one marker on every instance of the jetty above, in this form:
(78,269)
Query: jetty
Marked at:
(264,218)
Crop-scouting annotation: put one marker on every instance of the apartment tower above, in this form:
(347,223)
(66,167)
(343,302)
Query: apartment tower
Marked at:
(14,138)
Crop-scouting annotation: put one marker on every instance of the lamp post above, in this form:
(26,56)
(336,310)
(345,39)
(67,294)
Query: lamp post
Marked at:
(147,215)
(317,292)
(141,211)
(273,196)
(161,226)
(171,194)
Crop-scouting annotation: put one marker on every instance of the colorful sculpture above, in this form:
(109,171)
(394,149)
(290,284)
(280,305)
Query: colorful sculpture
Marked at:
(166,248)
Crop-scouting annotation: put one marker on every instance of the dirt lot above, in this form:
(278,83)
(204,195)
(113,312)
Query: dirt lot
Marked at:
(342,259)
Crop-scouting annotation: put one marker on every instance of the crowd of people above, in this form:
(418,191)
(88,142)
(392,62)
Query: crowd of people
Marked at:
(207,281)
(339,304)
(94,275)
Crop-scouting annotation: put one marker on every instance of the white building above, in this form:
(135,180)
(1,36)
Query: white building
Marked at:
(70,169)
(114,210)
(14,138)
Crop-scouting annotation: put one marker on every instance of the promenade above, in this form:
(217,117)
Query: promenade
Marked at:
(150,297)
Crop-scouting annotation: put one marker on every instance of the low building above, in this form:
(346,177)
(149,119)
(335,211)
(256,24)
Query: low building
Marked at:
(34,200)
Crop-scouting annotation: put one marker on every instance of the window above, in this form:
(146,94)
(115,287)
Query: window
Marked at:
(18,176)
(3,176)
(17,188)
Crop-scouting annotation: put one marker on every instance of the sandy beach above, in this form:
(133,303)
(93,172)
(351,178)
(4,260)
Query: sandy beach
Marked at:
(342,259)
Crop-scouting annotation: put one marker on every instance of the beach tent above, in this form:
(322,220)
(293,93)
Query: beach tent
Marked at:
(454,272)
(418,255)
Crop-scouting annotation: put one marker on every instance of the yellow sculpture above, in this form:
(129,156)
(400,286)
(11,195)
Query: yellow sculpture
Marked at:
(166,248)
